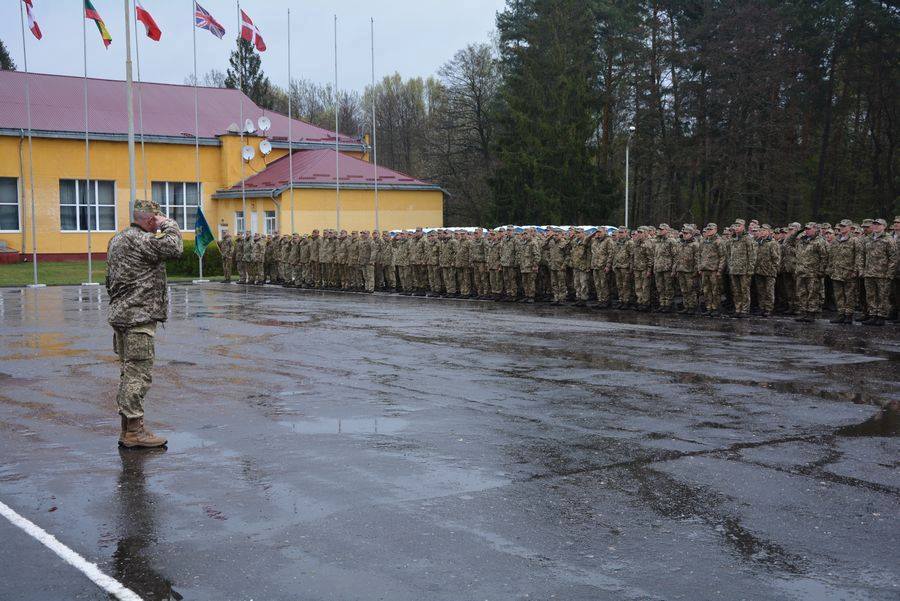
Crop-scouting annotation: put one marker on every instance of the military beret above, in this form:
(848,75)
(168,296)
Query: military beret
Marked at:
(812,224)
(866,222)
(845,223)
(880,221)
(739,222)
(146,206)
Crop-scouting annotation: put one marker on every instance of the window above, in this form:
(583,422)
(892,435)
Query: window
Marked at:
(178,201)
(77,206)
(270,222)
(239,222)
(9,204)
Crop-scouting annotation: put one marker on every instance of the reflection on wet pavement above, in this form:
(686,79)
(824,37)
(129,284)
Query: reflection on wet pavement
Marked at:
(343,446)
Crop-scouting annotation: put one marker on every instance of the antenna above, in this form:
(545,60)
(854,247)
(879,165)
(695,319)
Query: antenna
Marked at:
(248,153)
(249,127)
(264,123)
(265,147)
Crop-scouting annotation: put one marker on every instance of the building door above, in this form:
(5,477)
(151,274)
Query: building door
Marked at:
(254,222)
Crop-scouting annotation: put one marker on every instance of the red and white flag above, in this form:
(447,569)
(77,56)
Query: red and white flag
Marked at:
(32,24)
(250,32)
(153,30)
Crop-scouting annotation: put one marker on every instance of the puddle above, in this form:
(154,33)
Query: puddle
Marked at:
(351,425)
(886,423)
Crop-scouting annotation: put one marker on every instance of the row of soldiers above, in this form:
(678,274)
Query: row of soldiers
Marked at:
(772,269)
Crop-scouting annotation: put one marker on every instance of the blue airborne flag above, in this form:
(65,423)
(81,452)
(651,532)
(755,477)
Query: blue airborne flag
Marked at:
(203,236)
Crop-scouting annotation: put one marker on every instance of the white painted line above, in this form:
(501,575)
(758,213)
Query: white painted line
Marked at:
(110,585)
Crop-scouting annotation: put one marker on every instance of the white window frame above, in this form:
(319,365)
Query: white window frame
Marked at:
(266,220)
(18,204)
(239,222)
(77,205)
(184,207)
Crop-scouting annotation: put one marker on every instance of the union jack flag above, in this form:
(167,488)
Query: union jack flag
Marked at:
(204,20)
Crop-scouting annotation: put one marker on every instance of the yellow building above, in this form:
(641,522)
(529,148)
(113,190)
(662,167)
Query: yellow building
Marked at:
(73,188)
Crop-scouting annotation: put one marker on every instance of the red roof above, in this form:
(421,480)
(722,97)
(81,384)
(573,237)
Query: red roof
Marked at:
(318,167)
(57,105)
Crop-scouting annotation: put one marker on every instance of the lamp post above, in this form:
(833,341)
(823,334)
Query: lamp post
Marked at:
(627,148)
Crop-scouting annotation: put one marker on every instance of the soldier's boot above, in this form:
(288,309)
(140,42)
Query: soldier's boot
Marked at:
(136,435)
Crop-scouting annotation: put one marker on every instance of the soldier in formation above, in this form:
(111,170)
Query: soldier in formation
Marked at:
(750,268)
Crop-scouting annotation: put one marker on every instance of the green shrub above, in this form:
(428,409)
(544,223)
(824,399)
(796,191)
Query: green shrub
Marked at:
(188,263)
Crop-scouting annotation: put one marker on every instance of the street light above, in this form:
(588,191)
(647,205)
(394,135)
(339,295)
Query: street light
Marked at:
(631,129)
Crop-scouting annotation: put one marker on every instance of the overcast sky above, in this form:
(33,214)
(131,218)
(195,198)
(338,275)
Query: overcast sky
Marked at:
(412,37)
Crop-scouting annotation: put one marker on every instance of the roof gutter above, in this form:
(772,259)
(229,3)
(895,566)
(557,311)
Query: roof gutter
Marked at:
(273,192)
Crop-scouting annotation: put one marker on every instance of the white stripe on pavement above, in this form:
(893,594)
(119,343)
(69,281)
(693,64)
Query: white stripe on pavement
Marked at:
(110,585)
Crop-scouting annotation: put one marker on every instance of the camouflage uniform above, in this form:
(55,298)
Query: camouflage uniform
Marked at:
(418,261)
(401,261)
(622,259)
(602,248)
(768,263)
(581,269)
(741,264)
(711,267)
(249,271)
(479,264)
(226,247)
(508,263)
(845,262)
(529,257)
(138,300)
(880,267)
(812,261)
(492,263)
(463,265)
(239,257)
(386,257)
(366,259)
(557,249)
(788,290)
(642,268)
(269,266)
(664,251)
(687,264)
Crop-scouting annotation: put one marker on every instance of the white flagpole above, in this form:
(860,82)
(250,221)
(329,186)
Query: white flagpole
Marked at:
(197,136)
(87,155)
(374,135)
(337,112)
(129,99)
(137,51)
(290,126)
(34,258)
(241,122)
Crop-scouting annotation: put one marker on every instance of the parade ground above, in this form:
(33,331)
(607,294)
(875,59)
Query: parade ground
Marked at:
(331,446)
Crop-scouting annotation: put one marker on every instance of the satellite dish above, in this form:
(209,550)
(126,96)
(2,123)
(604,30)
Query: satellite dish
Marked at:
(264,123)
(248,153)
(249,127)
(265,147)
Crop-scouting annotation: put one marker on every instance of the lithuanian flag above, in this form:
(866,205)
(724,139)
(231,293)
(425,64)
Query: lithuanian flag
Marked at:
(91,13)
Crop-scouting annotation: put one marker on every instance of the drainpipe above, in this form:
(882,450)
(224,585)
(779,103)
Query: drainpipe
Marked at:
(277,211)
(22,185)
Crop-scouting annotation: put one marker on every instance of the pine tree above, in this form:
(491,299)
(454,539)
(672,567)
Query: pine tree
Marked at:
(246,69)
(6,61)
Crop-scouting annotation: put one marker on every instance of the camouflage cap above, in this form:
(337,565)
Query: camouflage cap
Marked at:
(711,226)
(811,224)
(897,219)
(866,222)
(146,206)
(664,226)
(825,226)
(765,226)
(880,221)
(845,223)
(794,226)
(739,222)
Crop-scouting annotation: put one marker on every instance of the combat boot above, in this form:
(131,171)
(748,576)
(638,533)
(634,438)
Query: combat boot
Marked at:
(136,435)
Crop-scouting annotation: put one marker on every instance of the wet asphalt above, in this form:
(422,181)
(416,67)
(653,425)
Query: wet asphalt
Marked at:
(345,446)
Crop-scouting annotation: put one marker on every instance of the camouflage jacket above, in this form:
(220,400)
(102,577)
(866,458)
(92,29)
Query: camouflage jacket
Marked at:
(742,255)
(622,254)
(812,257)
(642,257)
(418,252)
(556,253)
(136,274)
(845,259)
(528,254)
(269,246)
(239,248)
(881,257)
(367,251)
(447,256)
(602,252)
(492,254)
(258,250)
(248,250)
(340,250)
(788,255)
(477,250)
(712,255)
(226,247)
(300,251)
(508,252)
(664,251)
(401,252)
(581,255)
(386,252)
(353,251)
(768,258)
(687,259)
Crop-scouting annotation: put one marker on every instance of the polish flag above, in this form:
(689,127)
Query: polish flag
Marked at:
(153,31)
(32,24)
(250,33)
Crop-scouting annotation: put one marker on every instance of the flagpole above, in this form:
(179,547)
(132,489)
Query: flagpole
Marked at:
(197,137)
(290,124)
(87,154)
(337,112)
(374,134)
(34,258)
(240,71)
(137,51)
(129,99)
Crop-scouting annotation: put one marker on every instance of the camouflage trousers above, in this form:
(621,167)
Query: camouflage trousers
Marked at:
(135,348)
(421,272)
(242,271)
(449,276)
(809,293)
(845,296)
(878,296)
(496,278)
(765,292)
(665,287)
(227,267)
(688,283)
(740,293)
(624,285)
(642,280)
(390,277)
(787,291)
(464,277)
(582,280)
(529,279)
(511,281)
(558,285)
(367,274)
(601,285)
(480,275)
(711,287)
(435,284)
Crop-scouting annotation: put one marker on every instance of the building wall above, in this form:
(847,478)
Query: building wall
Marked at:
(56,159)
